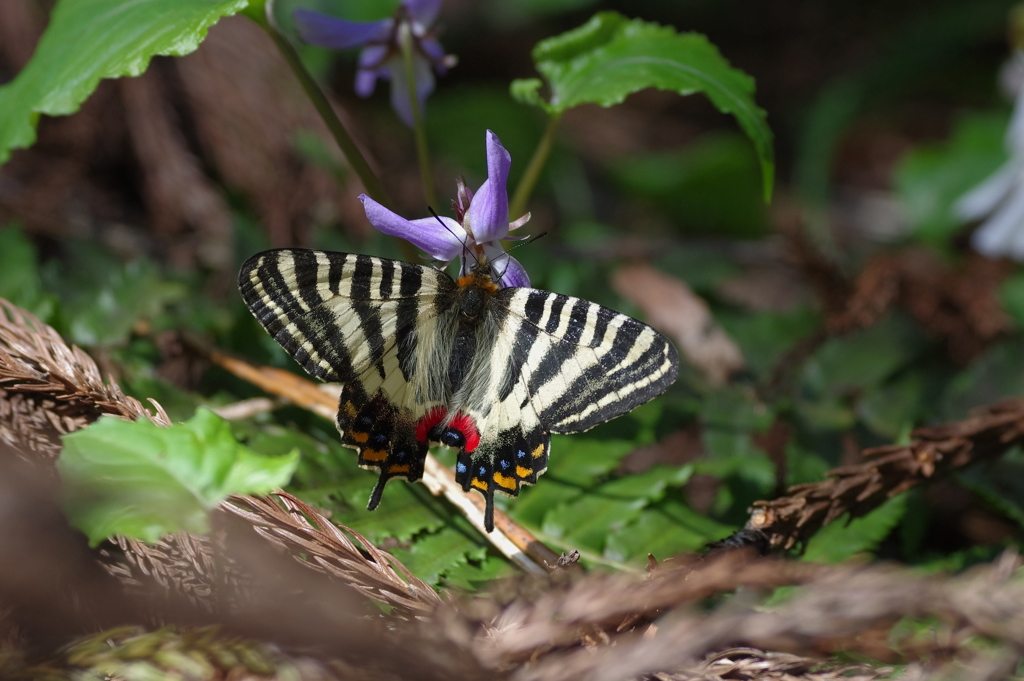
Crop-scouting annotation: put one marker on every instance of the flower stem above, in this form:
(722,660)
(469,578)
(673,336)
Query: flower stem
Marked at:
(419,130)
(528,181)
(263,16)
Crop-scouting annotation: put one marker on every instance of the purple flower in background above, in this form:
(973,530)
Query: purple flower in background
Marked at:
(476,234)
(382,53)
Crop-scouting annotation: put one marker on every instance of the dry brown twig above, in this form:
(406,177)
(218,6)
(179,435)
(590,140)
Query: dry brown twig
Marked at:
(48,389)
(312,539)
(932,452)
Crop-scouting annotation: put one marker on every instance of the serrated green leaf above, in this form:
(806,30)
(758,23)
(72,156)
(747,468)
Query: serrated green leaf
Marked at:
(433,556)
(993,376)
(667,528)
(475,573)
(841,540)
(862,359)
(88,40)
(611,57)
(143,481)
(1000,484)
(804,465)
(587,520)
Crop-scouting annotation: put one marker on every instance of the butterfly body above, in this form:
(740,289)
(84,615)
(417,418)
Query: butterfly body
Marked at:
(424,358)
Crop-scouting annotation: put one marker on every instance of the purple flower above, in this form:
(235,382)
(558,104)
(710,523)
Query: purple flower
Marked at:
(382,53)
(476,233)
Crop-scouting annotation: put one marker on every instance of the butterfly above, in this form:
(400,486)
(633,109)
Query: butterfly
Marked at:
(424,359)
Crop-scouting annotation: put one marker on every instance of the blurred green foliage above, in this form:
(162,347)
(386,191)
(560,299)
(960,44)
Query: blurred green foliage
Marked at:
(140,480)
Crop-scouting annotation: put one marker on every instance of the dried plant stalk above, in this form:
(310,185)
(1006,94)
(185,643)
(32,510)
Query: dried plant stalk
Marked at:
(743,664)
(571,633)
(313,540)
(933,451)
(48,389)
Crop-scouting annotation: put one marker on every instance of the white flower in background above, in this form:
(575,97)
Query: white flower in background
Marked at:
(1000,198)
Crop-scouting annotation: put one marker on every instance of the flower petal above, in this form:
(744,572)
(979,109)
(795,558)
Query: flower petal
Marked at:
(326,31)
(995,238)
(423,12)
(366,79)
(372,56)
(400,90)
(444,240)
(435,53)
(982,199)
(488,211)
(506,270)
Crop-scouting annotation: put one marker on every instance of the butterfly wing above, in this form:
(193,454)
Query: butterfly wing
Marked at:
(357,320)
(559,365)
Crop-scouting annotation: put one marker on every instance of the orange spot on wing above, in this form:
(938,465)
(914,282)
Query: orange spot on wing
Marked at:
(505,481)
(350,410)
(479,484)
(359,437)
(538,451)
(523,472)
(397,470)
(373,455)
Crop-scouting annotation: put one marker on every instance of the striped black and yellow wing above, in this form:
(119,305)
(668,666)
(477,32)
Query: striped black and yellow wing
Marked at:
(366,323)
(557,365)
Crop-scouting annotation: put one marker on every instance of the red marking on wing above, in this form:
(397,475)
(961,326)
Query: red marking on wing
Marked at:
(427,423)
(465,425)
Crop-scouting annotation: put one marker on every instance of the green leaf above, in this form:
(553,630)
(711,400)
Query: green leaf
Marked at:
(474,573)
(993,376)
(433,556)
(1011,297)
(1000,484)
(577,464)
(863,359)
(611,57)
(840,540)
(767,336)
(131,294)
(667,528)
(891,408)
(588,520)
(138,479)
(88,40)
(20,279)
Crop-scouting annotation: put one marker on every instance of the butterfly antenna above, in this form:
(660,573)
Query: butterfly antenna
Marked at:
(527,242)
(465,249)
(509,260)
